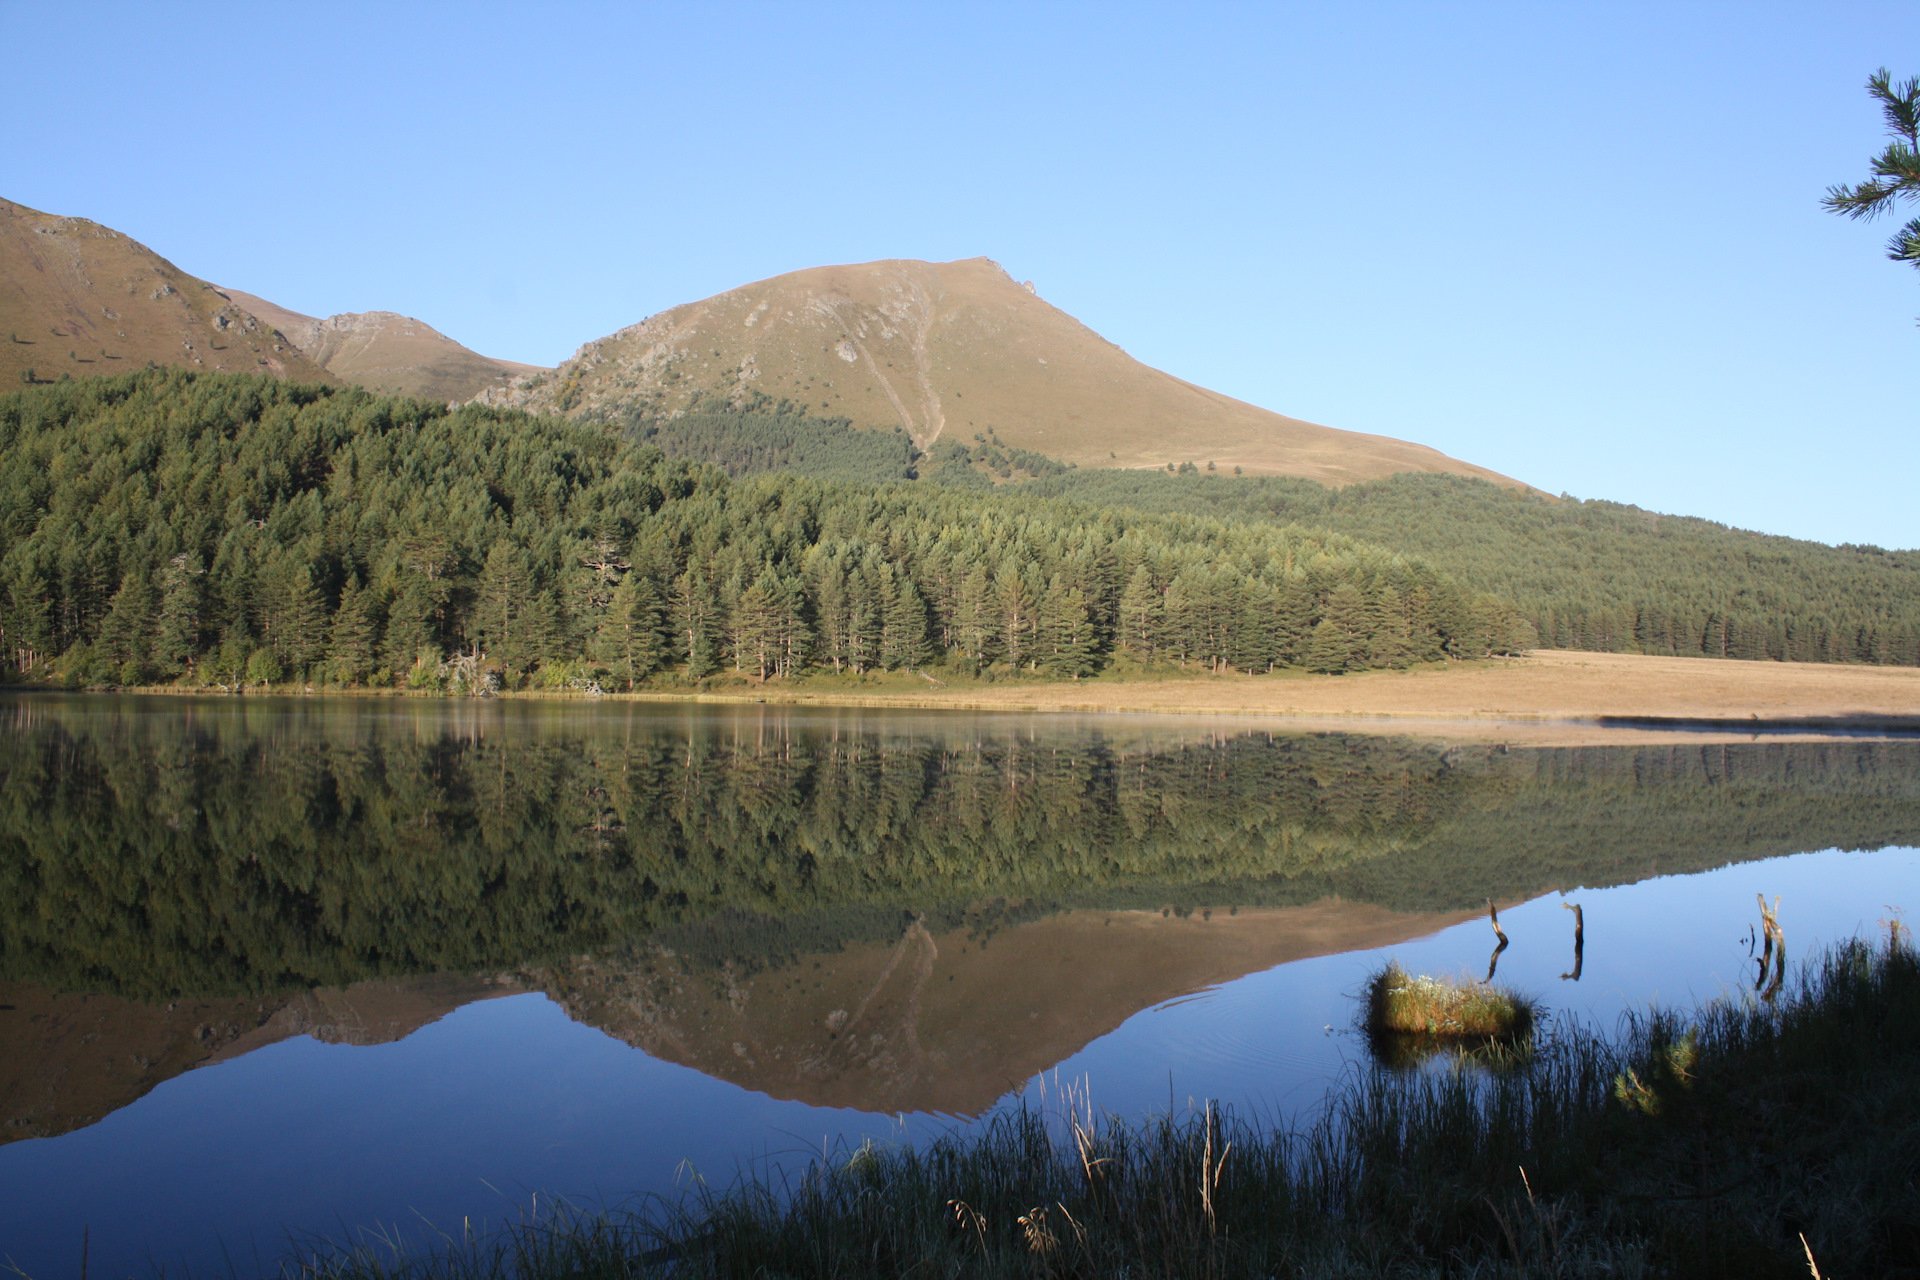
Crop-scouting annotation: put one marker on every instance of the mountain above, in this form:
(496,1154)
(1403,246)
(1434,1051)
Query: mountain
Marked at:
(947,1022)
(76,1057)
(389,353)
(82,299)
(947,352)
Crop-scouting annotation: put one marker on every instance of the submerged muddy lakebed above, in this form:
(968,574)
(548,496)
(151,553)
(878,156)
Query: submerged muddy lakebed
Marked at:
(273,972)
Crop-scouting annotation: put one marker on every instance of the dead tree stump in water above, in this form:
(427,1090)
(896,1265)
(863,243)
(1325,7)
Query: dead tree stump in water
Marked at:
(1493,961)
(1773,950)
(1579,941)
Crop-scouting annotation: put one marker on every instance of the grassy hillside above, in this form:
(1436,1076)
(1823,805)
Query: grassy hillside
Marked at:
(945,351)
(79,299)
(388,353)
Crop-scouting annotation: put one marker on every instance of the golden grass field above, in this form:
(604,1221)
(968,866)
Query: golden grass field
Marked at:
(1545,696)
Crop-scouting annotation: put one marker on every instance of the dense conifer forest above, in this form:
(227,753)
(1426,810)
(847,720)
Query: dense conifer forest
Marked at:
(233,530)
(1587,574)
(225,530)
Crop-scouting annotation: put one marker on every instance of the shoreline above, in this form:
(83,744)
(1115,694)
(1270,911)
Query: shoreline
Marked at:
(1544,698)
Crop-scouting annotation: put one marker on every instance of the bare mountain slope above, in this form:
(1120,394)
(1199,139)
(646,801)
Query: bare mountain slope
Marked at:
(82,299)
(76,1057)
(946,1023)
(389,353)
(945,351)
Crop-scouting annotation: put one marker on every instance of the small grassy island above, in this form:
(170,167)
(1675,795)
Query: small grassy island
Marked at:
(1409,1018)
(1770,1136)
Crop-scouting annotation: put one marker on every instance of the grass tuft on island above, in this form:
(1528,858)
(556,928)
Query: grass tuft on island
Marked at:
(1398,1004)
(1409,1020)
(1747,1138)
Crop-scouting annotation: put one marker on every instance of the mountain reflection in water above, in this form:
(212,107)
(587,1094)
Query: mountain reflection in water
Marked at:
(725,937)
(951,1022)
(882,911)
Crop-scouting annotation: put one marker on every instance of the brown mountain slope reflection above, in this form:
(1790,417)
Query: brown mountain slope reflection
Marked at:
(71,1059)
(948,1022)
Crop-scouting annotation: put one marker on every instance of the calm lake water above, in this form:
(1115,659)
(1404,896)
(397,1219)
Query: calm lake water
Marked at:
(280,972)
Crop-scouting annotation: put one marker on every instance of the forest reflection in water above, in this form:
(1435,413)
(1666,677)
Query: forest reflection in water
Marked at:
(875,913)
(217,847)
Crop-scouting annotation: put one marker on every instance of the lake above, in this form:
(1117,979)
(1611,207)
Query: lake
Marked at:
(277,972)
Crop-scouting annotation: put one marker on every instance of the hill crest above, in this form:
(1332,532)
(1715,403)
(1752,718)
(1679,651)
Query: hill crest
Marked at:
(83,299)
(949,351)
(389,353)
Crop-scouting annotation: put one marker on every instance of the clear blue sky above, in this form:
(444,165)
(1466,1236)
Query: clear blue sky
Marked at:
(1580,244)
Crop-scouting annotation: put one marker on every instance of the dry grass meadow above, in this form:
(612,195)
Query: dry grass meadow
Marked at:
(1546,696)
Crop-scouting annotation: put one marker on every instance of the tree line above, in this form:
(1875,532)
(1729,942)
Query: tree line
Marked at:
(227,530)
(1585,574)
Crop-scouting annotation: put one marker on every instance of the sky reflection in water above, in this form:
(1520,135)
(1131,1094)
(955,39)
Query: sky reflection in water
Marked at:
(471,1115)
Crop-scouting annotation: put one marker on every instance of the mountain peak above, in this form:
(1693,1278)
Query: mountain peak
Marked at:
(949,351)
(388,352)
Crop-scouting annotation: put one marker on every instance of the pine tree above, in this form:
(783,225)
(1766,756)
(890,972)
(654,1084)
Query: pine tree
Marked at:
(1339,641)
(294,617)
(756,627)
(832,604)
(351,646)
(1253,645)
(696,616)
(1389,639)
(794,635)
(866,608)
(502,604)
(126,633)
(1140,614)
(177,640)
(628,641)
(1896,171)
(1065,631)
(1292,619)
(903,632)
(1016,604)
(414,635)
(974,623)
(1183,616)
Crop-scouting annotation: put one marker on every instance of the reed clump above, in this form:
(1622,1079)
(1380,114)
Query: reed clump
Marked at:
(1399,1004)
(1740,1139)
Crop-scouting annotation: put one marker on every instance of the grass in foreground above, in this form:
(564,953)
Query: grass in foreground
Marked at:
(1740,1140)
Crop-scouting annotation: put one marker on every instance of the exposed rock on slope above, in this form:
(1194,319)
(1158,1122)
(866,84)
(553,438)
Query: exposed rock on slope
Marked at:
(389,353)
(945,351)
(82,299)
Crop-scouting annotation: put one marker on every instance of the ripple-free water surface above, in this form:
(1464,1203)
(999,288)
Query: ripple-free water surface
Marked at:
(277,973)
